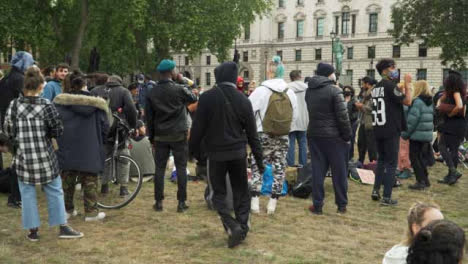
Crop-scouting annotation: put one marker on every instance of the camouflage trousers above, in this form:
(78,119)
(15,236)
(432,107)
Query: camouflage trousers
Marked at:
(275,150)
(88,184)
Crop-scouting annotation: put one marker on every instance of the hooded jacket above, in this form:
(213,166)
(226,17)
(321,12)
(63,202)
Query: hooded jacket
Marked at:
(85,120)
(12,86)
(224,122)
(328,114)
(52,89)
(261,96)
(420,120)
(142,153)
(299,88)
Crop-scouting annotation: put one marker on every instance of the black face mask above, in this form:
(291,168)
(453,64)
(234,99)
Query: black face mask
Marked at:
(348,93)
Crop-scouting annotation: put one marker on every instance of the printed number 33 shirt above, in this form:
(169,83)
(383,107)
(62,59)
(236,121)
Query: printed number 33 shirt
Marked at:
(388,117)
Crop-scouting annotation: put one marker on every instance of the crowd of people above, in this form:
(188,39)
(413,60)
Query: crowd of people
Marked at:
(59,132)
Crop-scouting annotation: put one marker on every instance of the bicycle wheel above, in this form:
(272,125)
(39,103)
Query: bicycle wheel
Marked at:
(112,199)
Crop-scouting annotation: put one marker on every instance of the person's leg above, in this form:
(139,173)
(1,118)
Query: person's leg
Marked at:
(257,177)
(291,157)
(415,155)
(29,211)
(15,196)
(180,152)
(278,158)
(55,202)
(353,140)
(68,183)
(123,168)
(371,145)
(302,141)
(319,169)
(237,170)
(161,156)
(380,171)
(338,157)
(391,146)
(89,183)
(362,144)
(445,151)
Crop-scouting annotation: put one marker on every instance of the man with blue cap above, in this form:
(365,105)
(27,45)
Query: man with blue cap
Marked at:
(166,118)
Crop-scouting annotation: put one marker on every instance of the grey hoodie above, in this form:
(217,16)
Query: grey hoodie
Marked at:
(302,121)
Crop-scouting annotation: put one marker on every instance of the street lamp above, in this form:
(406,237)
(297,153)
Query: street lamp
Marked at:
(333,37)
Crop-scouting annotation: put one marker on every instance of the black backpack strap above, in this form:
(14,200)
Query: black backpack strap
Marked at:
(228,102)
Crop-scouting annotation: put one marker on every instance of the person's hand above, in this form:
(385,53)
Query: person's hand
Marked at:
(408,78)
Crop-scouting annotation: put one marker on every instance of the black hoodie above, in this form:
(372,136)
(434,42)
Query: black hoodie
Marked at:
(224,121)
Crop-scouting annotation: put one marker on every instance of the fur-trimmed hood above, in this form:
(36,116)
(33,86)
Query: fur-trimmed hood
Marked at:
(82,104)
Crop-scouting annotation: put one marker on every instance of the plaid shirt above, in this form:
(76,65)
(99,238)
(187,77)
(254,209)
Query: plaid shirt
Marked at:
(37,122)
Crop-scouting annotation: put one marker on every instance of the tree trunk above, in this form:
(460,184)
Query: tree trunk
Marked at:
(80,34)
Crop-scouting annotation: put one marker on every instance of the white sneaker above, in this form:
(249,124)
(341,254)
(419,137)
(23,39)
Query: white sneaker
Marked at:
(99,216)
(271,207)
(73,214)
(255,205)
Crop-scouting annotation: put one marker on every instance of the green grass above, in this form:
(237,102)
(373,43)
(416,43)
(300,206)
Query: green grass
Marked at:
(137,234)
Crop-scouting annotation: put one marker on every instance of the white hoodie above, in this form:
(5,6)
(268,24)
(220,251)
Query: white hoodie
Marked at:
(261,96)
(302,121)
(396,255)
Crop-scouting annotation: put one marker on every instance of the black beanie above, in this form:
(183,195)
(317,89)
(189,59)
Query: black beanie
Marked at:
(324,69)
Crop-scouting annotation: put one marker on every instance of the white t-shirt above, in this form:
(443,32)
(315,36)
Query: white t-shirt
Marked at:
(396,255)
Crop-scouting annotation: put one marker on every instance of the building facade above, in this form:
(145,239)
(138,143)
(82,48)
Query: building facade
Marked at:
(301,32)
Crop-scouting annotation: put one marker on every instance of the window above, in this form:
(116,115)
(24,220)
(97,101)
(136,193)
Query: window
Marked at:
(281,3)
(371,52)
(300,29)
(245,56)
(280,53)
(208,60)
(421,74)
(350,53)
(371,73)
(422,51)
(373,19)
(208,78)
(349,73)
(247,32)
(320,23)
(318,54)
(337,24)
(345,23)
(353,24)
(298,55)
(300,2)
(187,60)
(246,75)
(396,51)
(280,30)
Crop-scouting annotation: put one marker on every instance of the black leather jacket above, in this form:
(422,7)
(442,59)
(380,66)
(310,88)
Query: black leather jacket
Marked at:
(328,114)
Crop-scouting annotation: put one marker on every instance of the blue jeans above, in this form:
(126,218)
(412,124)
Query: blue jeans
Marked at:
(301,138)
(55,204)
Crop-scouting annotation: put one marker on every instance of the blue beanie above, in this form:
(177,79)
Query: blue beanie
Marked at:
(166,65)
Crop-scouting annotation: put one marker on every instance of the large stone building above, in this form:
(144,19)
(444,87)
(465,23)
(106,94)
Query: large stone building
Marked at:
(300,32)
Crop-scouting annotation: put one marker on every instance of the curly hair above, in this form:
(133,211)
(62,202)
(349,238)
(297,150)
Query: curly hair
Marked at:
(454,83)
(384,64)
(440,242)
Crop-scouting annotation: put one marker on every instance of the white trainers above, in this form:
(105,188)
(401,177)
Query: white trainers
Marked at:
(271,207)
(99,216)
(73,214)
(255,205)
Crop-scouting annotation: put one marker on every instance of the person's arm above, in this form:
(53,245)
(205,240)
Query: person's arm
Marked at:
(341,111)
(414,114)
(53,121)
(104,125)
(458,105)
(250,128)
(199,127)
(149,115)
(129,109)
(408,95)
(7,123)
(188,96)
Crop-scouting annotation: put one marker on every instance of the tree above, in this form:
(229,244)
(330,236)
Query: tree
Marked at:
(438,23)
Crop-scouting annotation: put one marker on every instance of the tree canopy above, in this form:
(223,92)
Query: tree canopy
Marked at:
(130,35)
(438,23)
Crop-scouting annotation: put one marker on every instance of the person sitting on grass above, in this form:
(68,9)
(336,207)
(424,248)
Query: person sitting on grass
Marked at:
(33,122)
(419,215)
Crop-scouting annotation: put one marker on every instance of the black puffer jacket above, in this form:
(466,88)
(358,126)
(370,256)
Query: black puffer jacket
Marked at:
(328,114)
(12,88)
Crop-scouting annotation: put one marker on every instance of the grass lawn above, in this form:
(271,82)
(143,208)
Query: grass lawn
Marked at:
(137,234)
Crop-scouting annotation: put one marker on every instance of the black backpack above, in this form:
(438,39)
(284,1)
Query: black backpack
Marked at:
(303,187)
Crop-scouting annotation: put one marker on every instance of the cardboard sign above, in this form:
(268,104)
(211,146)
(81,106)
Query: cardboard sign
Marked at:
(367,176)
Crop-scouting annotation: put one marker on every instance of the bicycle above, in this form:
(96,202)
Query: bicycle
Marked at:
(113,166)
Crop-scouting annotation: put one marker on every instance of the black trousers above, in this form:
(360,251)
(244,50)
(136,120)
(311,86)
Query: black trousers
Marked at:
(9,184)
(417,162)
(333,153)
(387,162)
(161,155)
(366,143)
(448,146)
(237,170)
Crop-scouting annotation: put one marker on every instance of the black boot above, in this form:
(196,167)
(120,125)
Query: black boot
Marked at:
(235,236)
(417,186)
(201,172)
(123,191)
(454,176)
(181,207)
(158,206)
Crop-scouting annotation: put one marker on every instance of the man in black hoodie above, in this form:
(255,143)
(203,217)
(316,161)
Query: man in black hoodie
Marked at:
(225,133)
(328,134)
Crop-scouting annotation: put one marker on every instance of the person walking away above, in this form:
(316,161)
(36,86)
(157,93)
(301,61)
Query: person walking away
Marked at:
(54,87)
(166,117)
(420,126)
(33,121)
(81,153)
(275,109)
(224,125)
(366,140)
(353,111)
(120,102)
(452,106)
(299,126)
(388,121)
(328,135)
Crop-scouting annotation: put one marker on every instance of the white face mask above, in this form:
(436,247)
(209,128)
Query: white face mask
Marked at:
(332,77)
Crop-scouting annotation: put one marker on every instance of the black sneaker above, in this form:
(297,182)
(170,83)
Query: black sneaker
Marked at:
(375,195)
(315,210)
(158,206)
(105,188)
(445,180)
(181,207)
(418,186)
(235,237)
(456,175)
(14,204)
(33,235)
(342,210)
(123,191)
(66,232)
(388,202)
